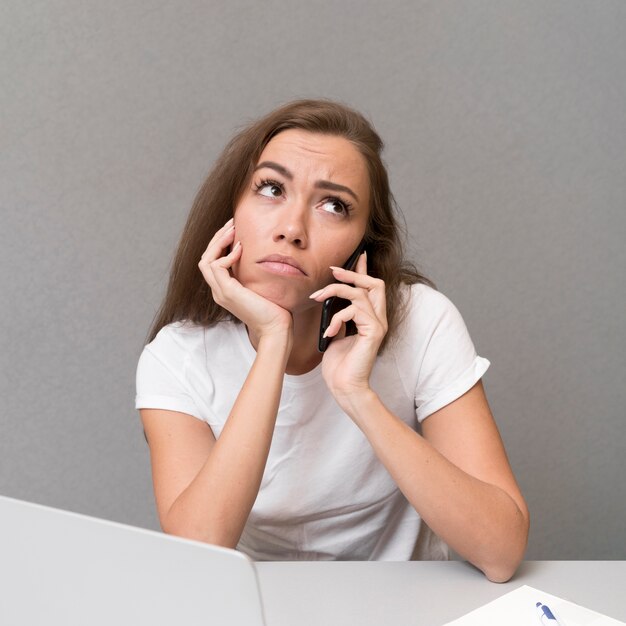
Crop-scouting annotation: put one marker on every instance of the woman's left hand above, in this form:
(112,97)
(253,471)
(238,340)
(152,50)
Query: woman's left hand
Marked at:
(348,360)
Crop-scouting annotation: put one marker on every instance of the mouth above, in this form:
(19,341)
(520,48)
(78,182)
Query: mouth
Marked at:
(279,264)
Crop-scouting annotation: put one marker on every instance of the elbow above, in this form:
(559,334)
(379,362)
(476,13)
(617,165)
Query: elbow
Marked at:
(502,558)
(500,574)
(502,568)
(503,571)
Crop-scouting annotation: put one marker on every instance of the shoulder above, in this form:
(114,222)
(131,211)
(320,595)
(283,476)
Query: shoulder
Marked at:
(427,307)
(436,355)
(176,336)
(183,349)
(178,340)
(431,324)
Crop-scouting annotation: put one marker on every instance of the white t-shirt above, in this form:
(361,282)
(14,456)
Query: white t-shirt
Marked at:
(324,493)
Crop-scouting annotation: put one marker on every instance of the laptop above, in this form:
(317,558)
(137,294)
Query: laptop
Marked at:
(64,568)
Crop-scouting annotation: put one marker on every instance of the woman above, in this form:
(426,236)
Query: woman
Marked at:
(381,447)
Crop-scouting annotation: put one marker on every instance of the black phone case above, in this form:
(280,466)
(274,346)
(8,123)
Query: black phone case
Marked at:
(334,304)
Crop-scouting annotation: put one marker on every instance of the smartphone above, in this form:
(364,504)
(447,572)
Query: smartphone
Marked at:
(334,304)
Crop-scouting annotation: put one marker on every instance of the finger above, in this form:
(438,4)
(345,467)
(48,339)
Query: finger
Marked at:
(358,279)
(221,240)
(361,264)
(215,271)
(338,319)
(220,269)
(218,276)
(214,252)
(222,237)
(375,287)
(372,300)
(228,226)
(341,290)
(366,322)
(228,260)
(366,301)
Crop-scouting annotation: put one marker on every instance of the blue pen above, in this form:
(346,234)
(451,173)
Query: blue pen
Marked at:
(546,617)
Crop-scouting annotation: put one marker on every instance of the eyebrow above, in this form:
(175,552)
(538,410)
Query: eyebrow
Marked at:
(320,184)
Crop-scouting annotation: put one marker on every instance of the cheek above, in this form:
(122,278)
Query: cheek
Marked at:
(243,234)
(249,223)
(249,236)
(336,253)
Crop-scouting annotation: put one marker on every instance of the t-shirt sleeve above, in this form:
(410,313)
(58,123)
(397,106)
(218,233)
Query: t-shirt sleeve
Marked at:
(450,365)
(160,381)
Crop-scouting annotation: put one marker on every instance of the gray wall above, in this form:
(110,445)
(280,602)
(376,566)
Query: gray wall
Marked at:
(505,127)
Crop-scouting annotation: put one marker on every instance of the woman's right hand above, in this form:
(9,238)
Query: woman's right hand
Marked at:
(262,317)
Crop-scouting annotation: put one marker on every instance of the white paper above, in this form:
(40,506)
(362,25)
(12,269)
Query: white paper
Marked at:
(518,608)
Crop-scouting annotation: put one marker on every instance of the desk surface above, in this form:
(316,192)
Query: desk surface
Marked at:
(81,570)
(428,593)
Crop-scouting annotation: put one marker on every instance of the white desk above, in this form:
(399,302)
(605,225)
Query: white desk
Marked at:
(422,593)
(58,567)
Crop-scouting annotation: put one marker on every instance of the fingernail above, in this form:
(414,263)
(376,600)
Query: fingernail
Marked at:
(325,333)
(236,245)
(332,267)
(316,293)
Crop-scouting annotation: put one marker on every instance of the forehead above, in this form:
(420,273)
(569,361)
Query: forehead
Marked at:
(328,156)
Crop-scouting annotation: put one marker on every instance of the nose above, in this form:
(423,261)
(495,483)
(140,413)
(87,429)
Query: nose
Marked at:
(291,225)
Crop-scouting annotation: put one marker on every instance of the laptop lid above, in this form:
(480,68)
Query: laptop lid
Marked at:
(58,567)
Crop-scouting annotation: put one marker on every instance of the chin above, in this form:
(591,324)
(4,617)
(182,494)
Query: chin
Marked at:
(284,295)
(281,295)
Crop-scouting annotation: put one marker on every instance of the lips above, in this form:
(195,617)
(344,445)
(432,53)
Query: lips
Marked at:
(284,260)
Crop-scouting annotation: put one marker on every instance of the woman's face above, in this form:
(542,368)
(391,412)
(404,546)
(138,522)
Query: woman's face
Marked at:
(306,208)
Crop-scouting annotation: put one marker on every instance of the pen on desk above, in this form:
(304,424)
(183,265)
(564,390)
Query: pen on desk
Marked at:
(546,617)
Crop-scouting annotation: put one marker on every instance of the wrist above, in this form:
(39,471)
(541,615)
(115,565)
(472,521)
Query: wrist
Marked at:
(358,402)
(276,343)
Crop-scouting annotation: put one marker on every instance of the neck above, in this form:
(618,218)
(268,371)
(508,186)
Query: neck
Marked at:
(304,354)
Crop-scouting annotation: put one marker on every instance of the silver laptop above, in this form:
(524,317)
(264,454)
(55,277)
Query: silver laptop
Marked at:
(64,568)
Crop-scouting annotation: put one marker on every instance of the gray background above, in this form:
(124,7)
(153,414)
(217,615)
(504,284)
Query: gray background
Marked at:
(505,126)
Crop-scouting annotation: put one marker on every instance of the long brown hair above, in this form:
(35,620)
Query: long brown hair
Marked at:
(188,295)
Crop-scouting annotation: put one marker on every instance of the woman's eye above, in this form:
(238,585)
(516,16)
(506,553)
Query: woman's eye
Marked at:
(334,205)
(270,190)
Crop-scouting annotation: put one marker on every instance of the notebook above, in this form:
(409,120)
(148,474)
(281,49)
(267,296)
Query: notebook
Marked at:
(64,568)
(519,608)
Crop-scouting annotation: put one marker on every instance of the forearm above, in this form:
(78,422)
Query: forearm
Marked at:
(480,521)
(216,504)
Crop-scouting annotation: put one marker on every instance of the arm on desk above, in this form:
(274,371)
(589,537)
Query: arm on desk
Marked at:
(456,475)
(488,503)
